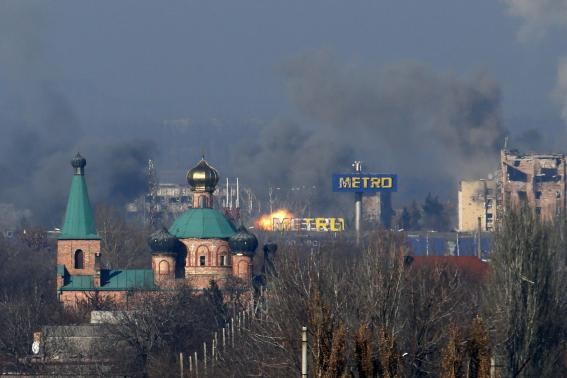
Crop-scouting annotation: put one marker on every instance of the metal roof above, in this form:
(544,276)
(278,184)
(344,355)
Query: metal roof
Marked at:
(124,279)
(202,223)
(79,223)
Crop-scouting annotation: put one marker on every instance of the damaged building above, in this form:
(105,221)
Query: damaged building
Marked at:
(377,209)
(477,199)
(531,179)
(536,180)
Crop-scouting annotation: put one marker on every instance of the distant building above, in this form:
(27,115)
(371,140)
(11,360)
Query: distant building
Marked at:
(535,180)
(477,199)
(377,209)
(425,243)
(469,267)
(164,201)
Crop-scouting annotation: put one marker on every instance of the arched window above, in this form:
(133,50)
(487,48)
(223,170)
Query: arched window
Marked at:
(163,267)
(79,259)
(202,256)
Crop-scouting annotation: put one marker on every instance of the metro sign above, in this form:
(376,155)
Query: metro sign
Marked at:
(365,182)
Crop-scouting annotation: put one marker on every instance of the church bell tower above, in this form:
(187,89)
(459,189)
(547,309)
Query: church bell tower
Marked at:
(78,245)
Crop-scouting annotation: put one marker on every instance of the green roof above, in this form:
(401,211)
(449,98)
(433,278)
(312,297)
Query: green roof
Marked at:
(203,224)
(79,220)
(78,283)
(125,279)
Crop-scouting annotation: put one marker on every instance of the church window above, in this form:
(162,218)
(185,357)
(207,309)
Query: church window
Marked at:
(242,268)
(202,202)
(163,267)
(223,261)
(79,259)
(202,260)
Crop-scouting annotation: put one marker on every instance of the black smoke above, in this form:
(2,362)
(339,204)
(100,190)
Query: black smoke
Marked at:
(40,130)
(432,129)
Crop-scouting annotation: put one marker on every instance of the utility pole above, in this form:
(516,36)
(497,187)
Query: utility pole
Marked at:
(479,232)
(357,165)
(303,351)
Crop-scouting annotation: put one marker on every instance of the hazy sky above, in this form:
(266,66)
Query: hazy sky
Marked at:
(222,58)
(101,77)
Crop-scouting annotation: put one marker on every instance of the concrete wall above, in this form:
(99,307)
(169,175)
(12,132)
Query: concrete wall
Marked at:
(476,199)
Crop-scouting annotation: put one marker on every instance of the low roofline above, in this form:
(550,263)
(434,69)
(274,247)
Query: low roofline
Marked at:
(70,237)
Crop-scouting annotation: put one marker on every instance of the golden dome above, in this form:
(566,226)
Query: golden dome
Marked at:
(203,177)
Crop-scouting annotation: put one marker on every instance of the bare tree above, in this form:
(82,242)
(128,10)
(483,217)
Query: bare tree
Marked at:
(526,294)
(163,323)
(124,243)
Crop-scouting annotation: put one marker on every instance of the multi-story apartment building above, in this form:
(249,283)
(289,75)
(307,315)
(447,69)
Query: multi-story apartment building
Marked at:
(477,200)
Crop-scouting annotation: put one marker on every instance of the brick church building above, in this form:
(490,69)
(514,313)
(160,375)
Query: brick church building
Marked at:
(200,246)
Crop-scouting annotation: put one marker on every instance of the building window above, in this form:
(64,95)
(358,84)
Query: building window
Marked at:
(163,268)
(223,261)
(538,211)
(202,260)
(537,195)
(202,202)
(79,259)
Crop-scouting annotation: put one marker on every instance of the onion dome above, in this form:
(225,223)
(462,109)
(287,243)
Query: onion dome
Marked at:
(79,162)
(243,241)
(203,177)
(162,241)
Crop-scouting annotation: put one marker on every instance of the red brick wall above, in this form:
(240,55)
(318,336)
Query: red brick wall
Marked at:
(71,298)
(212,249)
(207,199)
(66,255)
(163,265)
(242,267)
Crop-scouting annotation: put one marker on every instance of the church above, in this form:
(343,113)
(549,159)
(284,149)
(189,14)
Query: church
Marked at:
(201,245)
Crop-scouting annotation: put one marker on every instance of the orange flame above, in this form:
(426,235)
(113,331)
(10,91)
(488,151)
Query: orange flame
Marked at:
(266,221)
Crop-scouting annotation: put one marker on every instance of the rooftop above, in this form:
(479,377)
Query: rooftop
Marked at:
(202,223)
(79,221)
(120,280)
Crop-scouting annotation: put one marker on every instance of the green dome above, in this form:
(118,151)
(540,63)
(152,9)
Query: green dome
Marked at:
(202,223)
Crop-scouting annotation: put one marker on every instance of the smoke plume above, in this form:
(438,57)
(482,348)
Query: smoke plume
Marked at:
(538,15)
(431,129)
(40,130)
(561,89)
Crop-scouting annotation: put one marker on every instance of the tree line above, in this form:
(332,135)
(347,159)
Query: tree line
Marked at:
(370,311)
